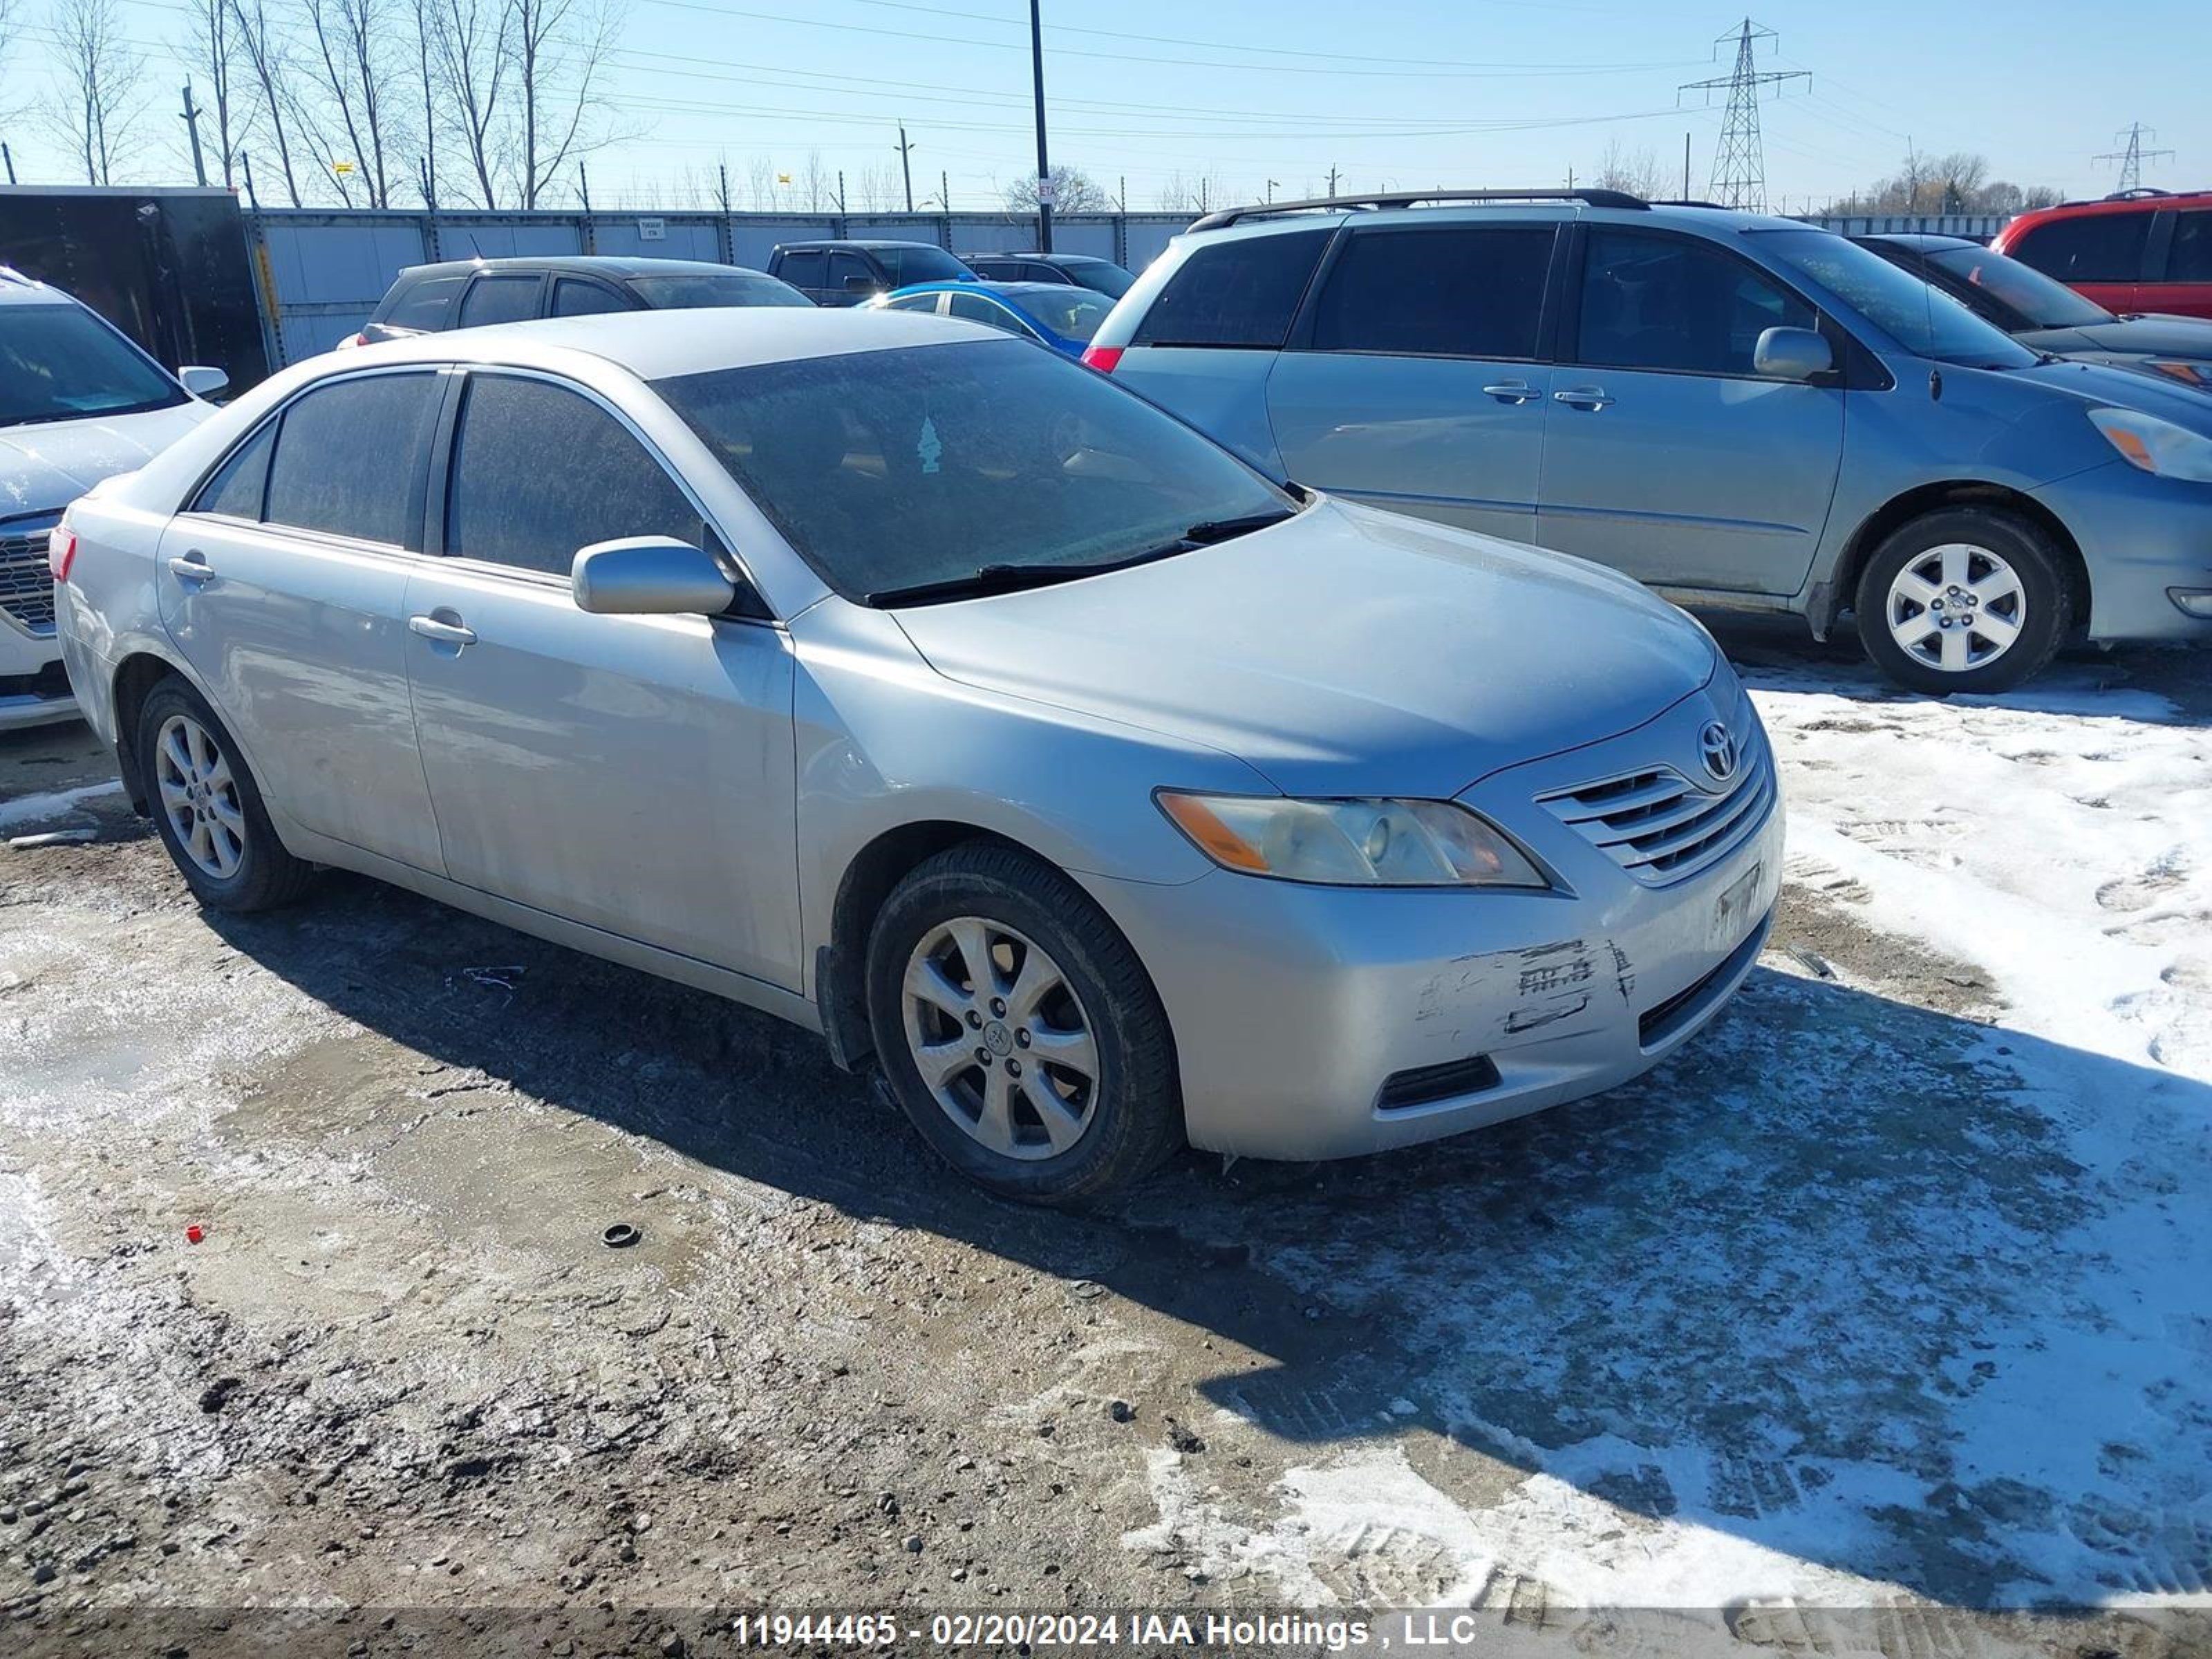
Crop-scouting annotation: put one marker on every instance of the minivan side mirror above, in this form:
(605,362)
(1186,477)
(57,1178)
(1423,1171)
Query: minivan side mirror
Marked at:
(1792,354)
(649,576)
(201,380)
(863,285)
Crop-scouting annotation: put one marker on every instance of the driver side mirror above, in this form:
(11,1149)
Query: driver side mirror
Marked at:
(650,576)
(1792,354)
(864,286)
(201,380)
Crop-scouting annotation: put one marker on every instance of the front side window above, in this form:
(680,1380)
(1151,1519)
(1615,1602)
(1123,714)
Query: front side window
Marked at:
(924,303)
(696,291)
(975,308)
(1670,303)
(1918,315)
(59,363)
(844,267)
(1437,293)
(1240,293)
(573,298)
(2189,260)
(893,469)
(2087,247)
(1102,276)
(1072,312)
(426,306)
(920,263)
(500,299)
(505,505)
(348,454)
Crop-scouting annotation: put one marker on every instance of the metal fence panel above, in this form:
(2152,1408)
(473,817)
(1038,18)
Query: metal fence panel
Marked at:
(635,238)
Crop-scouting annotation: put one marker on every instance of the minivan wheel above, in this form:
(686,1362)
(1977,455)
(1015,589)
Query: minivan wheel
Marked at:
(207,808)
(1968,598)
(1017,1030)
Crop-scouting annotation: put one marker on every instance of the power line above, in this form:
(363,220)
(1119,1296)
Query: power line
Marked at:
(1739,178)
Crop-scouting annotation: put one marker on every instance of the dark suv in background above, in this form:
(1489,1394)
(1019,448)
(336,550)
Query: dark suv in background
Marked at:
(844,273)
(474,293)
(1077,269)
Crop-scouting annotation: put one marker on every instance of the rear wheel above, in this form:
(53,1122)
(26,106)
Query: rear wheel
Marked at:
(1968,598)
(207,807)
(1017,1030)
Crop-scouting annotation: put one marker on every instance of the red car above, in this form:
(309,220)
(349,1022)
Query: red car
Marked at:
(2149,250)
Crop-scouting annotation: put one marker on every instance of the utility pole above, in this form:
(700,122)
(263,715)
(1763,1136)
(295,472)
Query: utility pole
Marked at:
(192,119)
(1686,167)
(1332,182)
(9,156)
(2132,158)
(1044,164)
(905,166)
(1740,163)
(584,183)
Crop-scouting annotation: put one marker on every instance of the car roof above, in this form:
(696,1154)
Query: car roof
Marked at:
(2133,201)
(602,265)
(17,289)
(1919,242)
(1041,259)
(1007,290)
(1268,220)
(656,344)
(854,241)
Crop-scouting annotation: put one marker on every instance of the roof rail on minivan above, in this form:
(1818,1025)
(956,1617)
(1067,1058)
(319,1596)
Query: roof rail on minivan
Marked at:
(1611,198)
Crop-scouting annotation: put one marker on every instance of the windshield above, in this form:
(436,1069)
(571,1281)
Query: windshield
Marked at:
(692,293)
(62,363)
(1073,314)
(1102,275)
(898,469)
(910,264)
(2039,301)
(1918,315)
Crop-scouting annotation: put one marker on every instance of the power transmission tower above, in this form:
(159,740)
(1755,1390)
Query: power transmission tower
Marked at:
(1740,164)
(2132,158)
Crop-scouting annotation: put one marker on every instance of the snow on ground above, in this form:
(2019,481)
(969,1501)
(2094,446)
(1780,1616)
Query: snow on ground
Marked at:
(1856,1299)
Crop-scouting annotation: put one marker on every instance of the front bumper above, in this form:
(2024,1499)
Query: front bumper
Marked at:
(33,689)
(2141,538)
(1318,1022)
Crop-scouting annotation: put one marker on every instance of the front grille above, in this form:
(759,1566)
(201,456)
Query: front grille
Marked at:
(27,589)
(1424,1085)
(1659,826)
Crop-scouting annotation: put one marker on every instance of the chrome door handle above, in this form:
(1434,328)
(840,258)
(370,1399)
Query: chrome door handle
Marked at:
(1512,392)
(445,632)
(191,567)
(1584,397)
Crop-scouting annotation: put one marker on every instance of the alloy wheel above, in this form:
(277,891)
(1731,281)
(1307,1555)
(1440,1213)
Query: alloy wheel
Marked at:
(999,1038)
(1956,607)
(199,797)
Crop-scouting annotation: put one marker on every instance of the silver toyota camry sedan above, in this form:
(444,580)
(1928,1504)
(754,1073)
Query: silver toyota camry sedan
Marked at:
(924,689)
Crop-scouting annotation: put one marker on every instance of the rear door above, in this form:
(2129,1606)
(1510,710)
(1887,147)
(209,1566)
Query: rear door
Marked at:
(284,584)
(633,774)
(2181,264)
(1417,382)
(844,269)
(2102,255)
(1665,456)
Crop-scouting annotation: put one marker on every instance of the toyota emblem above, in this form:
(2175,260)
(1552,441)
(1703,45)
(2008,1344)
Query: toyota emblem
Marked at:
(1717,744)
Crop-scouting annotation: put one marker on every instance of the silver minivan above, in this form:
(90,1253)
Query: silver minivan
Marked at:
(1738,409)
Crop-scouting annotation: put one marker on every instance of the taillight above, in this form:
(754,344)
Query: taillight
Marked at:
(1101,358)
(61,552)
(351,340)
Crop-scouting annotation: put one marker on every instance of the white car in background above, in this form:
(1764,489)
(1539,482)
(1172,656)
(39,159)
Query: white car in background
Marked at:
(78,403)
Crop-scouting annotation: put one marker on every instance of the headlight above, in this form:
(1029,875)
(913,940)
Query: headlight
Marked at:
(1361,843)
(2156,445)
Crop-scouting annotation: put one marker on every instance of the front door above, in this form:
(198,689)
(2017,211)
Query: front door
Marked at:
(1420,385)
(1665,456)
(284,585)
(633,774)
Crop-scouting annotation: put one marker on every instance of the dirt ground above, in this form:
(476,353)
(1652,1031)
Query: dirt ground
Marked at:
(401,1371)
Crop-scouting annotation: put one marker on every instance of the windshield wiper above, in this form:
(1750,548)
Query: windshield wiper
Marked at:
(1220,530)
(992,578)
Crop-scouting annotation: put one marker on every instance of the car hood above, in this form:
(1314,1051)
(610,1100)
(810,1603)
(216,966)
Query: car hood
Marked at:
(1344,652)
(2135,337)
(2096,384)
(43,467)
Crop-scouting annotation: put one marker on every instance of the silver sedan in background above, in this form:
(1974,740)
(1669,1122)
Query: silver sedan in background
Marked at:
(929,691)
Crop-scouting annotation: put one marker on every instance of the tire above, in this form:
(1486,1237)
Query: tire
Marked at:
(1986,566)
(1114,1122)
(207,807)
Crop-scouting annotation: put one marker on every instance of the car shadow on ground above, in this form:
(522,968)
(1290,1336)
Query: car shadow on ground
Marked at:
(1847,1280)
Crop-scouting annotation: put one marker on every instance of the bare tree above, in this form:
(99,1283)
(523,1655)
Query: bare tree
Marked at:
(267,64)
(1636,172)
(212,50)
(560,52)
(1958,182)
(1197,192)
(350,65)
(470,54)
(760,182)
(99,74)
(815,182)
(1074,190)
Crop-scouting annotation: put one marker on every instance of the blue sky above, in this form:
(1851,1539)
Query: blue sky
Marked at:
(1391,92)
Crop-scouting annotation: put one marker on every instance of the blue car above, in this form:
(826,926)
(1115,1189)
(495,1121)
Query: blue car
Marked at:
(1057,314)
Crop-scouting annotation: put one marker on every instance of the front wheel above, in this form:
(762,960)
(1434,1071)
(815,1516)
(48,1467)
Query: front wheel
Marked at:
(1017,1030)
(1967,599)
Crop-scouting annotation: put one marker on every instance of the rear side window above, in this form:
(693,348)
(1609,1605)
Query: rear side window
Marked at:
(2191,259)
(1471,293)
(996,271)
(802,270)
(572,298)
(2092,247)
(974,308)
(920,264)
(427,305)
(238,485)
(1667,302)
(505,505)
(500,299)
(1241,293)
(349,455)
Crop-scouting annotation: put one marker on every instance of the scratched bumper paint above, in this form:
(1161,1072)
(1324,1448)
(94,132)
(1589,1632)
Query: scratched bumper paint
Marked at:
(1293,1006)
